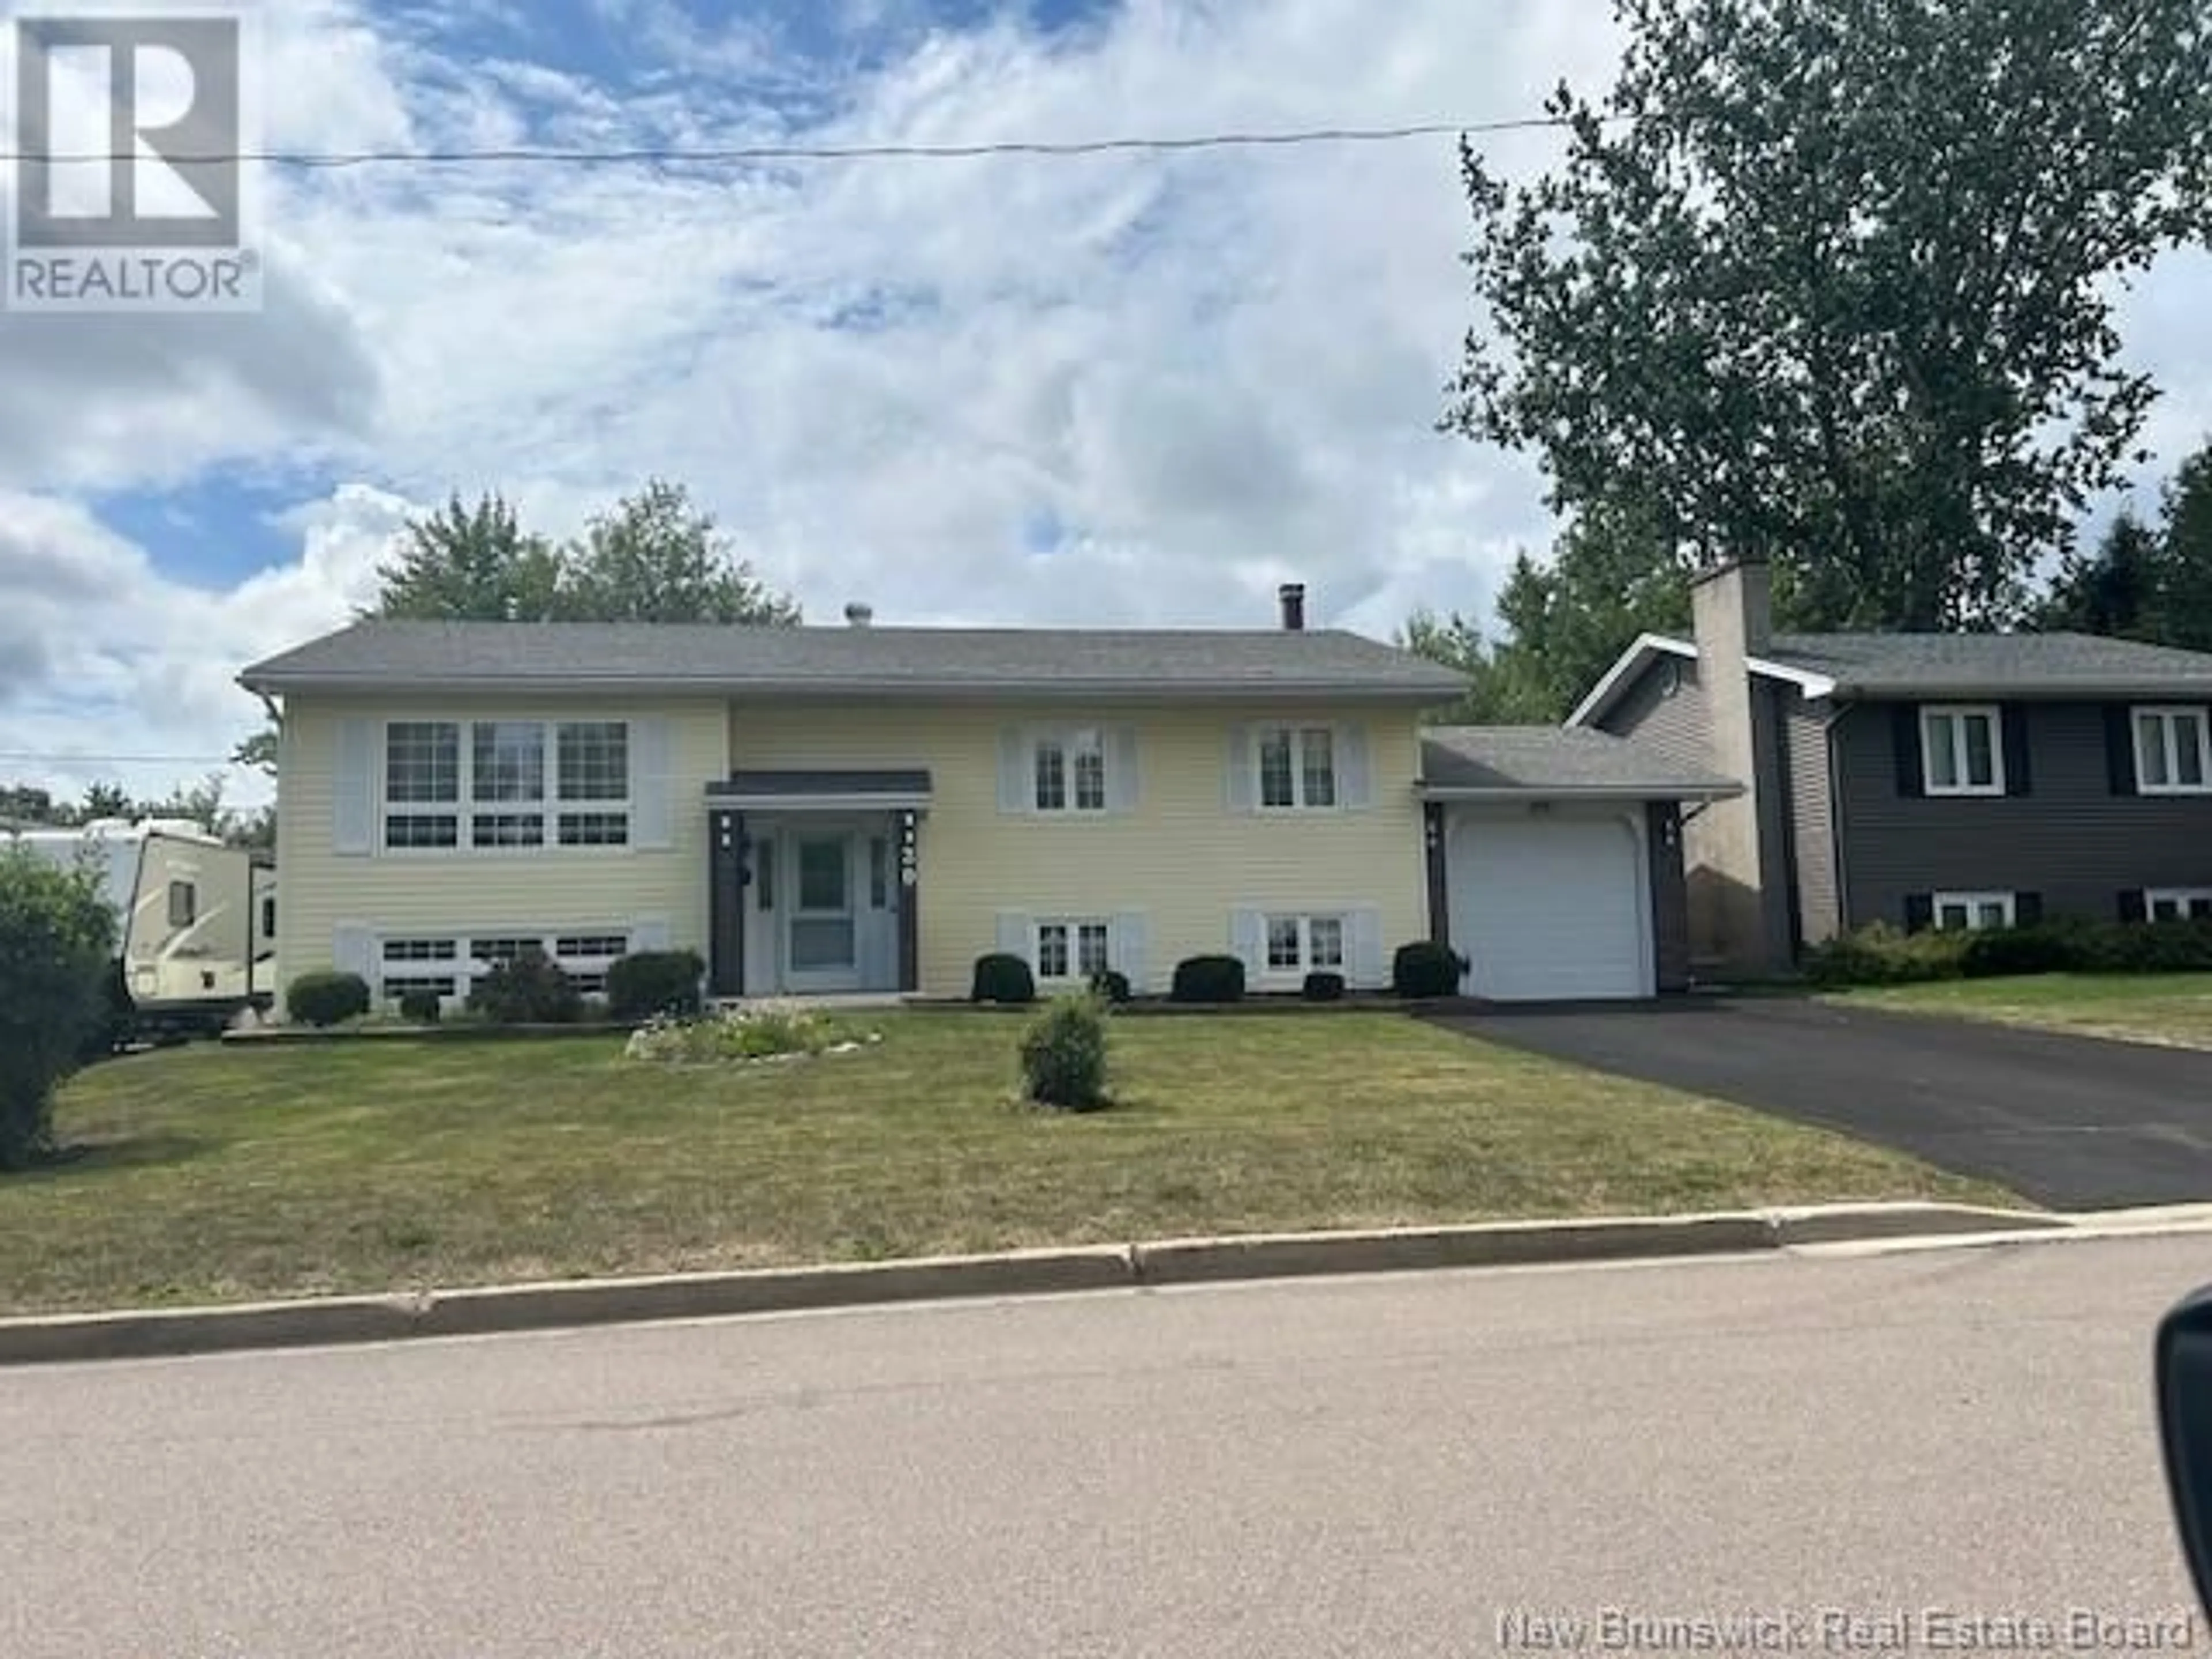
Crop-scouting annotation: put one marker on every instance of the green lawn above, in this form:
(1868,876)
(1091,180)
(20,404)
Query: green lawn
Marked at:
(2170,1009)
(216,1174)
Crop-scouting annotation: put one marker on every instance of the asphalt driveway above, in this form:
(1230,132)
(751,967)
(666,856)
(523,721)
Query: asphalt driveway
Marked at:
(2075,1123)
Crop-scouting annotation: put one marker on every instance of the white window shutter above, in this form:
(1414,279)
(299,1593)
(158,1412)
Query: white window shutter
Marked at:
(353,951)
(1017,789)
(1017,936)
(1240,794)
(1247,940)
(1125,784)
(1131,949)
(649,934)
(353,791)
(652,787)
(1355,770)
(1364,955)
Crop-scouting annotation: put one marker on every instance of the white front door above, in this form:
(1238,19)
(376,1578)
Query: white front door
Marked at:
(822,941)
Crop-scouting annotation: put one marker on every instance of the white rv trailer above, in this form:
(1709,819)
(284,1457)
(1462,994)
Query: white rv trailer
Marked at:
(187,917)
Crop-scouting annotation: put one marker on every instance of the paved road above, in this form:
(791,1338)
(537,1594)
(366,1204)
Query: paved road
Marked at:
(2072,1122)
(1386,1466)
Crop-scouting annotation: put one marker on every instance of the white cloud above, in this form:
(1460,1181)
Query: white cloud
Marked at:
(1207,371)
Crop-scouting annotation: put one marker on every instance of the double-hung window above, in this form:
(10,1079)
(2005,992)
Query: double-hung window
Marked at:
(1962,750)
(1304,945)
(1072,950)
(2173,751)
(506,785)
(1298,769)
(1975,912)
(1068,771)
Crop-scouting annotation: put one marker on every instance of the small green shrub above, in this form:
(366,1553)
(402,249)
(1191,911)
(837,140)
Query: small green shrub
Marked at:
(422,1007)
(57,942)
(1427,969)
(1113,986)
(2159,947)
(326,999)
(528,990)
(1208,980)
(1004,978)
(1064,1056)
(761,1031)
(656,982)
(2052,947)
(1881,954)
(1324,988)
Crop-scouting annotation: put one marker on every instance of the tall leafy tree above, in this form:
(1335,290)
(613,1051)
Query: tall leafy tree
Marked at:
(2116,590)
(1832,281)
(657,557)
(463,563)
(2186,597)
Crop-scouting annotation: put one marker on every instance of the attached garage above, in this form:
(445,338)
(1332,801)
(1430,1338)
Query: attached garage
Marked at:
(1556,864)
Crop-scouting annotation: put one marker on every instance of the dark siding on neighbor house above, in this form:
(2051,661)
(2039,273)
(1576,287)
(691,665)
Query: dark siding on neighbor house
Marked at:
(2071,840)
(1812,820)
(1676,725)
(1670,901)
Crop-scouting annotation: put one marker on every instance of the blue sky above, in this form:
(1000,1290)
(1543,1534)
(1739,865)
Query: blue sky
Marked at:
(1113,389)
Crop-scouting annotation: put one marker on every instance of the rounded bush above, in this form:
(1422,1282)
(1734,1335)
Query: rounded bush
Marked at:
(530,990)
(422,1007)
(1113,987)
(1426,970)
(650,984)
(2010,953)
(1882,955)
(1208,979)
(1324,988)
(1003,979)
(326,1000)
(57,943)
(1064,1056)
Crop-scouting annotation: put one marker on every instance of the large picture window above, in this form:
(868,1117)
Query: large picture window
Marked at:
(519,785)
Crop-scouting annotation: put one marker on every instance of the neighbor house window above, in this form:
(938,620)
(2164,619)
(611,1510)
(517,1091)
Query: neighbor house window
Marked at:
(1304,945)
(268,918)
(1298,769)
(1974,912)
(527,784)
(2178,904)
(1068,950)
(184,904)
(2173,751)
(1962,751)
(1070,772)
(421,964)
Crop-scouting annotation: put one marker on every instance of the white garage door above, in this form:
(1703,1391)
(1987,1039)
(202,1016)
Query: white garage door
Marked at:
(1550,908)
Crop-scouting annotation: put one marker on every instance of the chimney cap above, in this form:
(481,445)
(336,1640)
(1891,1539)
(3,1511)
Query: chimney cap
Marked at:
(858,615)
(1729,567)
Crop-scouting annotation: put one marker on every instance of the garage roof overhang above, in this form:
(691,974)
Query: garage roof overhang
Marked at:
(1600,795)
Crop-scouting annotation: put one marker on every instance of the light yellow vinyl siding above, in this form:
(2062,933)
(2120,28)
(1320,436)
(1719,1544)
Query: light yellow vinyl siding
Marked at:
(1183,857)
(446,893)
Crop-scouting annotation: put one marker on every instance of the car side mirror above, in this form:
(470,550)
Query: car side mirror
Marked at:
(2183,1368)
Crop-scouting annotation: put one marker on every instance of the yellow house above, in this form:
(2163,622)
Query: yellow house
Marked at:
(869,810)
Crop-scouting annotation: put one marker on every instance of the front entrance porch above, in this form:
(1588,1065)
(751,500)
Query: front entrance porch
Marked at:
(815,880)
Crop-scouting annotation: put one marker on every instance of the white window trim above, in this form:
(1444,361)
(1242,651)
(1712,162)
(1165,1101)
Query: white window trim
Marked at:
(1296,729)
(1953,717)
(1269,974)
(1972,902)
(464,811)
(1033,743)
(2168,716)
(2180,898)
(1074,925)
(464,966)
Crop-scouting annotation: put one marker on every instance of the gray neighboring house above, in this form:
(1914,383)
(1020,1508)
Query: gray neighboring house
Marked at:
(1924,780)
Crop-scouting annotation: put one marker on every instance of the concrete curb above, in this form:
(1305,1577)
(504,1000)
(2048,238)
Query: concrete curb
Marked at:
(510,1308)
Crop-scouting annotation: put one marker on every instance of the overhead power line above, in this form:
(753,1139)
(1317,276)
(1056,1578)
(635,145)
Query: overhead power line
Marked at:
(14,756)
(735,154)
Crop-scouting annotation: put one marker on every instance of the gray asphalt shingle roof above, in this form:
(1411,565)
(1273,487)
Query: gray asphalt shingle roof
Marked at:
(849,661)
(1874,664)
(1564,759)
